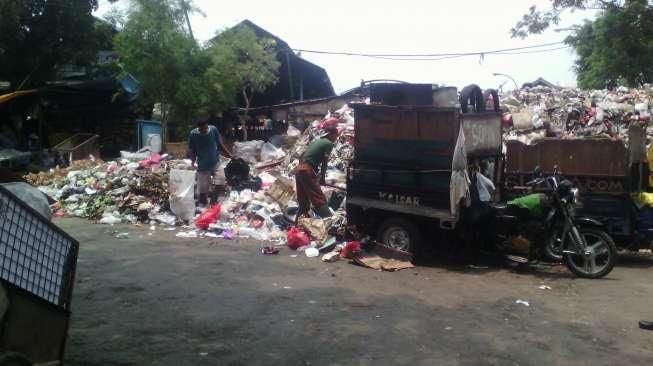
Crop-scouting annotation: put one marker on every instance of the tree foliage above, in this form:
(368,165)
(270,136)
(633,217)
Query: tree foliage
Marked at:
(537,21)
(242,60)
(38,36)
(616,46)
(188,80)
(154,47)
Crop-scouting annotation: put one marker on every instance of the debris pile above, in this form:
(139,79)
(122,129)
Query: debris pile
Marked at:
(260,202)
(569,113)
(108,192)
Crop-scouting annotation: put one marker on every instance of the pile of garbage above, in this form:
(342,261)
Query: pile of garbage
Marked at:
(110,192)
(570,113)
(260,202)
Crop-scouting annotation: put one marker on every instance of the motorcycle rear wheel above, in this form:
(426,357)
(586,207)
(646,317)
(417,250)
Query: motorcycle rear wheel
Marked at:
(553,249)
(599,259)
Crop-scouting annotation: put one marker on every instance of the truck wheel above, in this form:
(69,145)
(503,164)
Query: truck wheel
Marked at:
(401,234)
(14,359)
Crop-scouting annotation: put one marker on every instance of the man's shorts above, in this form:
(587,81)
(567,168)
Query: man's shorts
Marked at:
(205,180)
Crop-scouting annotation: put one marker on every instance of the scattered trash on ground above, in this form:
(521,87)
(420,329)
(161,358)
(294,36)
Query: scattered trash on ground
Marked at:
(384,258)
(523,302)
(269,250)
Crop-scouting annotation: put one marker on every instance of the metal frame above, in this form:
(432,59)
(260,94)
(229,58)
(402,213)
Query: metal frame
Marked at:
(35,255)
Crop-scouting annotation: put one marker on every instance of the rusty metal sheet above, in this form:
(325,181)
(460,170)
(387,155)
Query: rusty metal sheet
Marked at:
(586,157)
(482,133)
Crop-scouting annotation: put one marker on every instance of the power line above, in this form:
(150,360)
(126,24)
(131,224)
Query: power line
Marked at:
(534,51)
(448,56)
(425,55)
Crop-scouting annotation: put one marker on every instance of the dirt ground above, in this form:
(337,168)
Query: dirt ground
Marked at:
(161,300)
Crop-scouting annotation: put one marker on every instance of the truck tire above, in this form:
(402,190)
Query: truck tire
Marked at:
(14,359)
(399,233)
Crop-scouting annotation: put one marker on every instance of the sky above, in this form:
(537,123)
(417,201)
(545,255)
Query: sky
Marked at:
(406,27)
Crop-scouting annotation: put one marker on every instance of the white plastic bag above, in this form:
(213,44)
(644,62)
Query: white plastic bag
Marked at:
(248,150)
(219,179)
(182,191)
(270,152)
(293,131)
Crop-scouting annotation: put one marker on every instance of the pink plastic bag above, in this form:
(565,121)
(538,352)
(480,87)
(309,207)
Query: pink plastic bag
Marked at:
(209,217)
(297,238)
(153,159)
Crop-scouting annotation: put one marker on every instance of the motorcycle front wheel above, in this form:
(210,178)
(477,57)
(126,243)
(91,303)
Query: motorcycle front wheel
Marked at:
(597,260)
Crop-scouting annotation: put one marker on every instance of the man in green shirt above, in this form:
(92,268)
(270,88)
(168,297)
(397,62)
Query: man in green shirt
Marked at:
(314,162)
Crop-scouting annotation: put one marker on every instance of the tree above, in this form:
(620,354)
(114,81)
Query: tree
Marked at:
(167,62)
(37,36)
(616,46)
(244,62)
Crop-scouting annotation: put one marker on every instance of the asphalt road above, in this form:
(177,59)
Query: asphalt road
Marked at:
(161,300)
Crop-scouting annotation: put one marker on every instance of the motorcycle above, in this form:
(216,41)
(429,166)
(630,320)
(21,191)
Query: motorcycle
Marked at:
(544,224)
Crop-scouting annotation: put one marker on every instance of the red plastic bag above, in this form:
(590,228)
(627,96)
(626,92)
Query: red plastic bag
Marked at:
(209,217)
(297,238)
(351,249)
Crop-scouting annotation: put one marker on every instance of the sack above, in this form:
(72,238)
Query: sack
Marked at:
(281,191)
(317,228)
(210,216)
(219,178)
(297,238)
(182,193)
(31,196)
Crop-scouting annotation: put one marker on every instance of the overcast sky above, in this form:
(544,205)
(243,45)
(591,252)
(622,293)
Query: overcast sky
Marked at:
(409,27)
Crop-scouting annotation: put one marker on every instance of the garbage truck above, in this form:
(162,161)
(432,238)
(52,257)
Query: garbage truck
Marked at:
(611,175)
(399,182)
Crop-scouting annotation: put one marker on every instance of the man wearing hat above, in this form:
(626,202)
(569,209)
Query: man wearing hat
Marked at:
(204,147)
(313,165)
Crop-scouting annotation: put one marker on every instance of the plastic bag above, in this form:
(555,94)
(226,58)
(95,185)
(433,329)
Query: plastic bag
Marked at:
(31,196)
(350,250)
(270,152)
(297,238)
(210,216)
(219,178)
(293,131)
(110,218)
(236,171)
(248,150)
(182,193)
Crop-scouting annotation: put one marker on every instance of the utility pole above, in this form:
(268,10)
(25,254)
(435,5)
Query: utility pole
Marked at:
(184,6)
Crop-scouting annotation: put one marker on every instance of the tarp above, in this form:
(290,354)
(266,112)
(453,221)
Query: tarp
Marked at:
(459,184)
